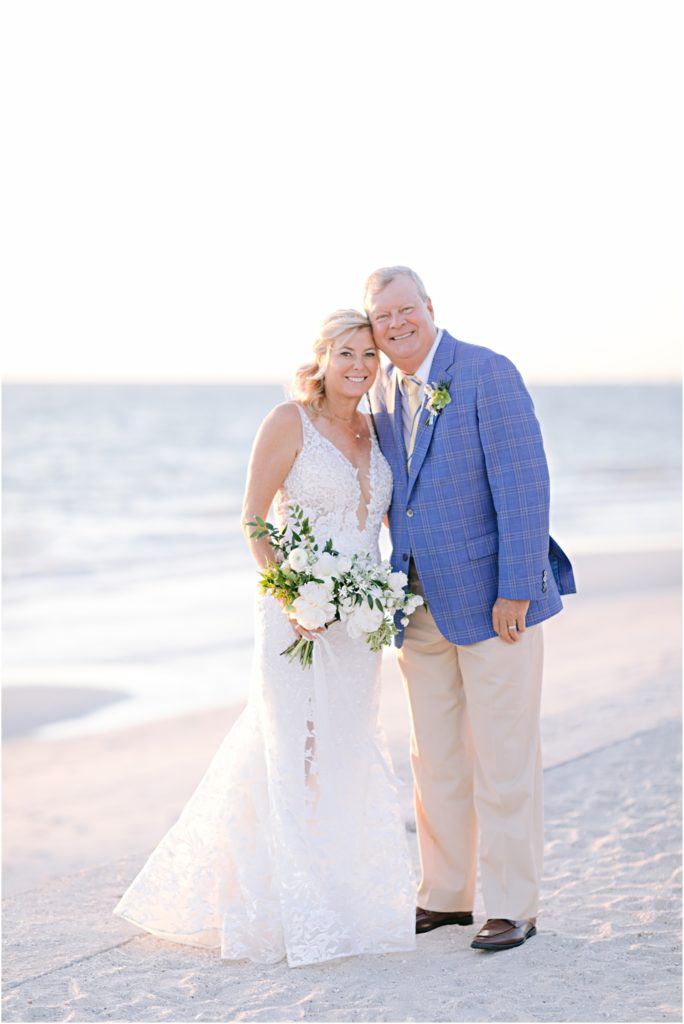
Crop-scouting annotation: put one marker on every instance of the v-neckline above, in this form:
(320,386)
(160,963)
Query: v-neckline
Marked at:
(356,470)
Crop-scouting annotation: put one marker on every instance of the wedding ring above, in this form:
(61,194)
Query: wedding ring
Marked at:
(513,628)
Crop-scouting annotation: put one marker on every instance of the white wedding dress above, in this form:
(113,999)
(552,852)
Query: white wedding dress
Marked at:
(293,844)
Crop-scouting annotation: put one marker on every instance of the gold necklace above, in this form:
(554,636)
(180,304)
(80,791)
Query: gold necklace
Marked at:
(346,423)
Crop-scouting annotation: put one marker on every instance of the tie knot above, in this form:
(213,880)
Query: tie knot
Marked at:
(411,385)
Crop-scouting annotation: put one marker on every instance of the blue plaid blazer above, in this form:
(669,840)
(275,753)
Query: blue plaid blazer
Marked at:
(474,510)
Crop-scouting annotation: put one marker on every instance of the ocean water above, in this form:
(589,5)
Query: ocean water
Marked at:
(124,564)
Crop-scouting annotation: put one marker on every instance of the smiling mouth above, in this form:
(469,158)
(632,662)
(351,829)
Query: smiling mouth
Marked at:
(402,337)
(356,380)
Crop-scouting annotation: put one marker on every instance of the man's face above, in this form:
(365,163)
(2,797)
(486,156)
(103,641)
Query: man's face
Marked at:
(403,323)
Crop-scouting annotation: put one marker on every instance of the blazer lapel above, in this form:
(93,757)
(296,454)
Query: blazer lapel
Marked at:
(386,397)
(395,410)
(393,406)
(439,374)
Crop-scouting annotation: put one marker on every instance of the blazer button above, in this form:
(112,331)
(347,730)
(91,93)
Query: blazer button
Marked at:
(409,513)
(404,558)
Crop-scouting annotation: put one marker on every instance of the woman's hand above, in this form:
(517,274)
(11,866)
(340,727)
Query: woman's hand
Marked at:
(297,629)
(308,634)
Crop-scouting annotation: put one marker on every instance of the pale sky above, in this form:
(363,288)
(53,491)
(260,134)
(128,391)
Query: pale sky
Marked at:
(189,188)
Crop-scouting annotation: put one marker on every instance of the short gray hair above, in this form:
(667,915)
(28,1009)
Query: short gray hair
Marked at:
(379,279)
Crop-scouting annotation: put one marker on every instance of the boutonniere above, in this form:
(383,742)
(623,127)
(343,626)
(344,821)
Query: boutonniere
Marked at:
(438,398)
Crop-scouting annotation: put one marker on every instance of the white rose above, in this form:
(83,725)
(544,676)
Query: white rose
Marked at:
(313,607)
(346,606)
(414,601)
(364,620)
(326,565)
(344,563)
(397,581)
(298,559)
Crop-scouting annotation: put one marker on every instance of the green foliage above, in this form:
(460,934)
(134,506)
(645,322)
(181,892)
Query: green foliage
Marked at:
(362,580)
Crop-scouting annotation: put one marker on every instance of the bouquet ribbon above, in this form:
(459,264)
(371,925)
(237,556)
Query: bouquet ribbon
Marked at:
(324,738)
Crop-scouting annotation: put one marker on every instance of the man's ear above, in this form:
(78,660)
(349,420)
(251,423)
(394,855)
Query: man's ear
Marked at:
(428,303)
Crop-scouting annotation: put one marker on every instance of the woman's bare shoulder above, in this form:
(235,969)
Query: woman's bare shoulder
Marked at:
(283,423)
(284,415)
(370,422)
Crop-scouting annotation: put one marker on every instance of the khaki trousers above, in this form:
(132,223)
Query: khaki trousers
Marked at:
(476,759)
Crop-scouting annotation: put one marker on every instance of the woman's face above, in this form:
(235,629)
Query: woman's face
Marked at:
(352,364)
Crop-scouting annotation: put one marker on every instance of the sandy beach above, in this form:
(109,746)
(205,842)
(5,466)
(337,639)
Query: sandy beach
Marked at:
(80,814)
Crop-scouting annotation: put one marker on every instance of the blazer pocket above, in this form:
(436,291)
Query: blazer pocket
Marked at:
(481,547)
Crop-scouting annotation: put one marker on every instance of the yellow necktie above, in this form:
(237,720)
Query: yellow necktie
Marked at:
(411,386)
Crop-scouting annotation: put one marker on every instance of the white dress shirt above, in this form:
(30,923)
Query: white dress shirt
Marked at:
(422,374)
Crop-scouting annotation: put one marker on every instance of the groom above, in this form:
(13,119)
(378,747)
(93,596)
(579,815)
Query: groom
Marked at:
(470,526)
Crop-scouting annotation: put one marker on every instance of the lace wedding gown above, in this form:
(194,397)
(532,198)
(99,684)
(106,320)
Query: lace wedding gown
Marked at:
(293,844)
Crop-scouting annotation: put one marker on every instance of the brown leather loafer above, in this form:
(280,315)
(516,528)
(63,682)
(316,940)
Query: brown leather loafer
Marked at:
(426,920)
(500,933)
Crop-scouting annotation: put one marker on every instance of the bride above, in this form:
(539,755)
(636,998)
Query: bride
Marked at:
(293,844)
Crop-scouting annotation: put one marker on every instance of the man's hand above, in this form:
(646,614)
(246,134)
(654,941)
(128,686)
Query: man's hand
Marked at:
(508,618)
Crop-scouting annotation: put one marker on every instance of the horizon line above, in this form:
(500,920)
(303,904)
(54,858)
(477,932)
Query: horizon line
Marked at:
(279,381)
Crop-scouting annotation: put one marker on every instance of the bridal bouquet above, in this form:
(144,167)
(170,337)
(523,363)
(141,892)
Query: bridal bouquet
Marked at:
(319,586)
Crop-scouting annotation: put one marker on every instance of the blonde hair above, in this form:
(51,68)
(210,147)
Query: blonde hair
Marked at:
(379,279)
(308,386)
